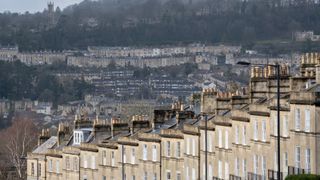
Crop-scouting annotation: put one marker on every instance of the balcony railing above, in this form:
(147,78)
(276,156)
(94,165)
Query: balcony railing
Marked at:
(273,175)
(216,178)
(295,170)
(253,176)
(234,177)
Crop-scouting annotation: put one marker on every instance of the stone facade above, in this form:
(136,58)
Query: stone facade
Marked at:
(241,136)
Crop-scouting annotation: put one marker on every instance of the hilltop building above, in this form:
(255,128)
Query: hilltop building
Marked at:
(51,14)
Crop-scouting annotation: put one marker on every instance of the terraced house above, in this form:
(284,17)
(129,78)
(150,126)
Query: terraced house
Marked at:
(234,137)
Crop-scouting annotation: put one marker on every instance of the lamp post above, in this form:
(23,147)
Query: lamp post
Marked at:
(206,145)
(277,66)
(122,157)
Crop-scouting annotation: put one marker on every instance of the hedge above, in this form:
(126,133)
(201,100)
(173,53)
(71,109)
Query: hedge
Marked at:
(303,177)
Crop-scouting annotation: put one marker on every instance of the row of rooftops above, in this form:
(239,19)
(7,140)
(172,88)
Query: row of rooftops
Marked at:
(167,123)
(148,47)
(179,119)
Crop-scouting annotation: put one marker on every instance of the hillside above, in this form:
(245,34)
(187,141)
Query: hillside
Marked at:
(154,22)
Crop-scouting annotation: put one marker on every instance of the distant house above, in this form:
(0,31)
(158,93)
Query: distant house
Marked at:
(305,36)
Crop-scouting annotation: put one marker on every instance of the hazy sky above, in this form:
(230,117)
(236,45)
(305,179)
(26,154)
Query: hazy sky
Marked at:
(32,5)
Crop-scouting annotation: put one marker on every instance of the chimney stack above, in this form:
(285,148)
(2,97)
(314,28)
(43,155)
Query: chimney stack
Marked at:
(44,136)
(318,74)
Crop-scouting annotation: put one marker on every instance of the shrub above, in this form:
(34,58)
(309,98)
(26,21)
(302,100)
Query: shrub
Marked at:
(303,177)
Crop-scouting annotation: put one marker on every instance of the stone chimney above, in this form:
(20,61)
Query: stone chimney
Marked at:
(101,126)
(318,74)
(44,136)
(303,60)
(139,122)
(181,107)
(252,72)
(61,133)
(118,126)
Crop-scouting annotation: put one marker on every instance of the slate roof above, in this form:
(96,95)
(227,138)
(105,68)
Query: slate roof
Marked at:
(49,144)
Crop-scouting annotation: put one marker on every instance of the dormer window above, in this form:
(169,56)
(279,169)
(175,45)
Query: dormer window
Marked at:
(77,137)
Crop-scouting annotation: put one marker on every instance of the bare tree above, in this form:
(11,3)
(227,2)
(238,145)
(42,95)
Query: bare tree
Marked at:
(16,141)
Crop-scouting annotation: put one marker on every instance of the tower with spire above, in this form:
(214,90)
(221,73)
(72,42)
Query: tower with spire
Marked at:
(51,16)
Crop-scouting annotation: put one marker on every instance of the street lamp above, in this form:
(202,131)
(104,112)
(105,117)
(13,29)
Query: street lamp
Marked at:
(206,145)
(277,66)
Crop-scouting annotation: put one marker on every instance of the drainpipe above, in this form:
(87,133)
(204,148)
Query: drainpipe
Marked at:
(160,160)
(79,165)
(206,146)
(45,167)
(122,162)
(199,154)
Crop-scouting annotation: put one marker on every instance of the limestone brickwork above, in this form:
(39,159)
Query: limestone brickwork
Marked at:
(241,136)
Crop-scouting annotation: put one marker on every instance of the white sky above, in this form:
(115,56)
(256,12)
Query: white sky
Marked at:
(32,6)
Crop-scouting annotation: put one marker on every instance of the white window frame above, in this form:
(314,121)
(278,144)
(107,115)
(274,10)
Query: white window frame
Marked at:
(263,167)
(275,125)
(145,175)
(68,163)
(226,170)
(210,174)
(285,126)
(264,131)
(168,175)
(244,168)
(93,162)
(255,164)
(297,158)
(193,146)
(209,142)
(187,146)
(124,155)
(75,163)
(145,152)
(220,169)
(308,160)
(85,162)
(220,138)
(244,135)
(179,175)
(187,173)
(236,137)
(255,130)
(178,150)
(50,165)
(236,166)
(297,119)
(193,174)
(154,153)
(112,158)
(168,148)
(57,167)
(285,162)
(133,156)
(32,169)
(226,138)
(275,160)
(307,121)
(104,157)
(204,141)
(203,169)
